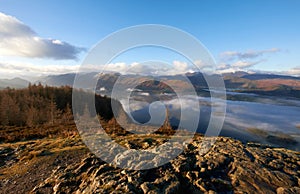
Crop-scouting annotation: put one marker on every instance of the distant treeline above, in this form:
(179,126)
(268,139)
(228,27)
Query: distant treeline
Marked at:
(40,104)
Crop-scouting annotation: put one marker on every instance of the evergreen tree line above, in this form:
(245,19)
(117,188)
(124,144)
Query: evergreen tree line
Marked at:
(40,104)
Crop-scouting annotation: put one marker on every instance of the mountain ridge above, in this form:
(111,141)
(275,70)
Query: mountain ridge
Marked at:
(264,84)
(16,82)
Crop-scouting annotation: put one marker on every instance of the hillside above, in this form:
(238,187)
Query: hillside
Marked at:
(263,84)
(65,165)
(37,105)
(49,156)
(14,83)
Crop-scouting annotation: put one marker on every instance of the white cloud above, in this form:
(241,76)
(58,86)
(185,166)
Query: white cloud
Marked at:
(201,64)
(180,66)
(57,42)
(10,69)
(293,71)
(236,66)
(18,39)
(232,55)
(232,61)
(148,68)
(21,69)
(153,67)
(223,66)
(244,64)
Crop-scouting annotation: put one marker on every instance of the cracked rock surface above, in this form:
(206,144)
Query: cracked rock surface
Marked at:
(228,167)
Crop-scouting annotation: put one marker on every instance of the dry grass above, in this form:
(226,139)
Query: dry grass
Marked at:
(14,134)
(29,162)
(269,84)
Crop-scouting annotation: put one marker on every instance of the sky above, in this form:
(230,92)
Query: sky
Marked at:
(54,36)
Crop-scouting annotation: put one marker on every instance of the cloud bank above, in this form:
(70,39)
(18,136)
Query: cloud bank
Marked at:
(13,69)
(18,39)
(234,55)
(28,70)
(293,71)
(232,61)
(150,68)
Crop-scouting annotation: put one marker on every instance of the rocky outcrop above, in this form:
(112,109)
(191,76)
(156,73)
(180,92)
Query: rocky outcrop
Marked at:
(228,167)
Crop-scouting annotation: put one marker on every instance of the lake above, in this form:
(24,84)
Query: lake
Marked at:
(262,119)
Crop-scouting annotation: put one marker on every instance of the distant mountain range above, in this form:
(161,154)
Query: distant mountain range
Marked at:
(266,84)
(13,83)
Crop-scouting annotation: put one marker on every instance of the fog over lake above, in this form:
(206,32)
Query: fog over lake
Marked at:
(268,120)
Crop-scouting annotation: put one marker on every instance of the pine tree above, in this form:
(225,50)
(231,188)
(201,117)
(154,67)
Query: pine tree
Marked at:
(67,115)
(54,113)
(4,119)
(31,119)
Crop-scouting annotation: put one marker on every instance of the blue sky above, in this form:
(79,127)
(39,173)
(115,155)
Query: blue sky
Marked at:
(241,35)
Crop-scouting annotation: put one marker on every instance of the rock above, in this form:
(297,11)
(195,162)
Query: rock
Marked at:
(202,170)
(212,192)
(129,179)
(173,187)
(146,187)
(292,190)
(227,167)
(56,188)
